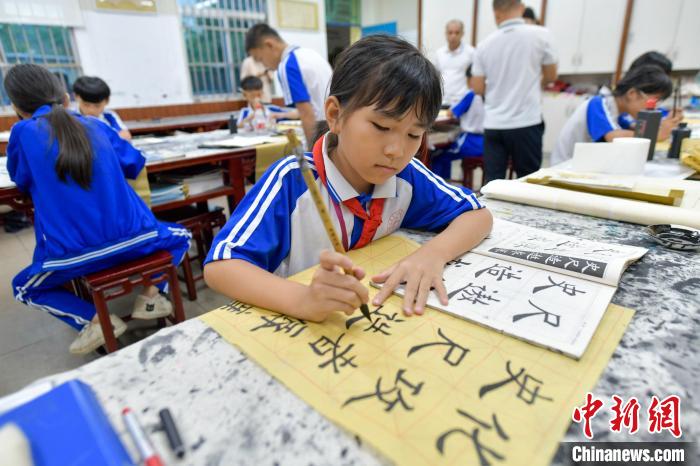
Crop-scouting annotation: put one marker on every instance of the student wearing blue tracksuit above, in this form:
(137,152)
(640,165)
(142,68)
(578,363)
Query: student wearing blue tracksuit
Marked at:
(87,218)
(92,95)
(252,89)
(470,142)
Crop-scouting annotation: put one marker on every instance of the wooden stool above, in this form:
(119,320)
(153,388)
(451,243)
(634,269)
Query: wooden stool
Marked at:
(118,281)
(202,226)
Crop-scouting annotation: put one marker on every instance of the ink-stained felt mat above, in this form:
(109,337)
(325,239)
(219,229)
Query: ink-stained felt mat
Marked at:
(424,390)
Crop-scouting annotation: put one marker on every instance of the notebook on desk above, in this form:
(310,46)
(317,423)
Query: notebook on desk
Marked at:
(68,426)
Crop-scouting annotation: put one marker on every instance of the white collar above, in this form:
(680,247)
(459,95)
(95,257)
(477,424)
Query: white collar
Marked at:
(342,190)
(511,22)
(456,51)
(287,51)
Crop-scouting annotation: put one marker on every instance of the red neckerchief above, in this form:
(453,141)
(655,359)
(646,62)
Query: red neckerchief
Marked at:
(376,207)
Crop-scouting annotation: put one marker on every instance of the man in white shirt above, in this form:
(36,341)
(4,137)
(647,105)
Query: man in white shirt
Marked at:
(304,75)
(510,67)
(452,61)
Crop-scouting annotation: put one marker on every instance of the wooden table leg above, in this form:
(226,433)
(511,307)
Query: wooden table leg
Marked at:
(175,295)
(105,322)
(237,181)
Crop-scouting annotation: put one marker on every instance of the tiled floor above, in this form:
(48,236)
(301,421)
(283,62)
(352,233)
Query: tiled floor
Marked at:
(34,344)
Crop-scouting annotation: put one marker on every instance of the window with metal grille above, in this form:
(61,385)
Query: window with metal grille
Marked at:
(50,46)
(215,41)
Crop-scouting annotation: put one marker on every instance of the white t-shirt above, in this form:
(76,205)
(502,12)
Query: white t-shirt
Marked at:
(511,59)
(453,65)
(590,122)
(305,76)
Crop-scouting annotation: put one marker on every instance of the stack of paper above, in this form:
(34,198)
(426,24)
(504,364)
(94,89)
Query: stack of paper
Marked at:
(162,193)
(196,183)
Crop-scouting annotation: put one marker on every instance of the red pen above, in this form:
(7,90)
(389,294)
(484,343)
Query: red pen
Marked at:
(143,444)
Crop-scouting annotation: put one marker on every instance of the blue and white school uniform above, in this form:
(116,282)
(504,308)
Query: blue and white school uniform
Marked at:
(590,122)
(246,111)
(627,121)
(276,226)
(81,231)
(305,76)
(111,119)
(470,142)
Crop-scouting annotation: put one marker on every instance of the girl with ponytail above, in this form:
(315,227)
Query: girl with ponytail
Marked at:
(87,218)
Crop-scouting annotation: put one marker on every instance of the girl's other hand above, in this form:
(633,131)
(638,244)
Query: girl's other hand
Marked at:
(420,272)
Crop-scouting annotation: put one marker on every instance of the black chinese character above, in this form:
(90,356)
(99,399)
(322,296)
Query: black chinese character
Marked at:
(282,323)
(567,288)
(555,318)
(338,359)
(380,324)
(481,449)
(454,348)
(532,394)
(238,308)
(474,294)
(382,395)
(457,263)
(500,272)
(565,245)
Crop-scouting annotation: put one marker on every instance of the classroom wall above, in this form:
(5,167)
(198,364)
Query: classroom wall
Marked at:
(312,39)
(435,16)
(404,12)
(140,55)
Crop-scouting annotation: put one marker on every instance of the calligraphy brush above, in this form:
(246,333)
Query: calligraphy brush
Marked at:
(318,201)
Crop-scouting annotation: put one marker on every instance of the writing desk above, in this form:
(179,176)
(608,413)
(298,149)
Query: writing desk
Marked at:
(232,412)
(202,122)
(231,160)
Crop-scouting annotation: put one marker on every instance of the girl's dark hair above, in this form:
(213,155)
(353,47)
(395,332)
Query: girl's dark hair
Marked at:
(390,74)
(649,79)
(32,86)
(653,58)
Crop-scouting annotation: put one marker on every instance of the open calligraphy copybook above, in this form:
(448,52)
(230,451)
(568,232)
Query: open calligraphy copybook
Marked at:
(428,390)
(546,288)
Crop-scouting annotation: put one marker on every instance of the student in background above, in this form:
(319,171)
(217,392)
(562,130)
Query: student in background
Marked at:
(470,142)
(303,73)
(625,120)
(452,61)
(384,96)
(596,120)
(252,88)
(86,217)
(529,16)
(510,67)
(251,67)
(92,95)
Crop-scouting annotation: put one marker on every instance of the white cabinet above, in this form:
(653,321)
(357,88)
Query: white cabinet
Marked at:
(556,110)
(586,34)
(685,53)
(564,23)
(652,27)
(599,41)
